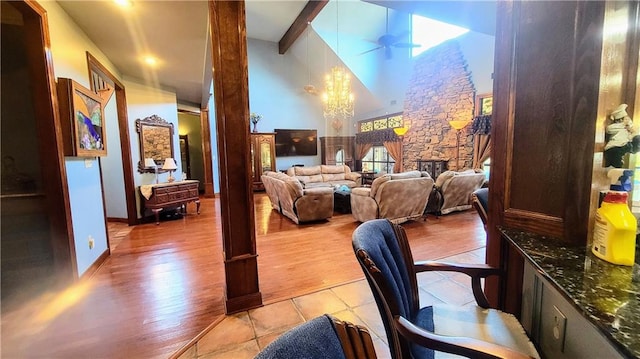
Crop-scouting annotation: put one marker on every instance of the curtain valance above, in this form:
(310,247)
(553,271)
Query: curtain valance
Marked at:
(375,137)
(481,125)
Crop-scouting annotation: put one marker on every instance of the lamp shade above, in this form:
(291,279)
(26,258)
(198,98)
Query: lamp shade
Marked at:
(401,131)
(459,124)
(169,164)
(149,162)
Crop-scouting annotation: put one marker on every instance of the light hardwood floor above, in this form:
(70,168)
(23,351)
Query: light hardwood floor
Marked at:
(163,285)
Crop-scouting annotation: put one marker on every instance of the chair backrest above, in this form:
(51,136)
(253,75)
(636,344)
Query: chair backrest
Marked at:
(480,201)
(324,337)
(383,252)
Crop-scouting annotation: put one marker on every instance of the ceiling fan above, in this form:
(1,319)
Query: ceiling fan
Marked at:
(387,41)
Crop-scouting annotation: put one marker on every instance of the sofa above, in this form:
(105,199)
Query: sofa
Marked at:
(398,197)
(456,189)
(299,204)
(326,176)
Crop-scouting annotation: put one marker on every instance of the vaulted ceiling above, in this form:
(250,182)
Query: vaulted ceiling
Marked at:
(176,32)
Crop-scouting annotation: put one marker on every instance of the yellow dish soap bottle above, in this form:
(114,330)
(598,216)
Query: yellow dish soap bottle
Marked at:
(614,235)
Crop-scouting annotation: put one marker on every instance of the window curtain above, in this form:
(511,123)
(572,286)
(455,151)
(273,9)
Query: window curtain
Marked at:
(395,150)
(362,149)
(481,127)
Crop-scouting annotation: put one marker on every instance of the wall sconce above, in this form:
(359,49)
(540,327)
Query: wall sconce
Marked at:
(458,125)
(170,165)
(150,163)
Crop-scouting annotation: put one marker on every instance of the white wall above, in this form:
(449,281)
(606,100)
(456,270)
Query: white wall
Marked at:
(276,92)
(144,101)
(112,171)
(68,49)
(478,49)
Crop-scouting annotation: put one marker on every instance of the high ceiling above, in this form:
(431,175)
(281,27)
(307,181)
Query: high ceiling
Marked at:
(176,32)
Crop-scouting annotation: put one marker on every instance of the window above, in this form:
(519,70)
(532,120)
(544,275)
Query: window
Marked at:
(430,33)
(378,160)
(486,167)
(340,157)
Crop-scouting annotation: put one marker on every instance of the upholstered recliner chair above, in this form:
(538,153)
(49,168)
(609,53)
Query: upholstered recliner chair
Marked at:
(383,251)
(324,337)
(456,189)
(398,197)
(299,204)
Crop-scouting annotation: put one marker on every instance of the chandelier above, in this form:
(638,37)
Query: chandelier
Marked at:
(337,98)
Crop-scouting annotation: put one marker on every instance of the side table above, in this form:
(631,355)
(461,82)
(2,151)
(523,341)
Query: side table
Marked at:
(342,201)
(367,178)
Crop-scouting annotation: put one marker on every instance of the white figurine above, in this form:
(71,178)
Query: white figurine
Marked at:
(621,137)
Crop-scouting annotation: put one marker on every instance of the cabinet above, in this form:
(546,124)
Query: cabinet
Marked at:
(555,326)
(263,157)
(433,167)
(174,194)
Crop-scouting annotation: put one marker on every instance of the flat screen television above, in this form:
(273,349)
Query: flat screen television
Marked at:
(296,142)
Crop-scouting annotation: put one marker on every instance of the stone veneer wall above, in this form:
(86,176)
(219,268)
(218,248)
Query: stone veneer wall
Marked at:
(440,89)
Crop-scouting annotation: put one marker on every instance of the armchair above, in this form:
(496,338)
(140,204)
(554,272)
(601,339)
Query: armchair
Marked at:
(383,251)
(324,337)
(397,197)
(480,201)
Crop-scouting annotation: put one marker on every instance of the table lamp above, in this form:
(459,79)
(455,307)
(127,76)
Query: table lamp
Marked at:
(170,165)
(150,163)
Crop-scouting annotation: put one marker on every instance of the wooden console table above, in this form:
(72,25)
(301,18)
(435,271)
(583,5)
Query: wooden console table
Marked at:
(156,197)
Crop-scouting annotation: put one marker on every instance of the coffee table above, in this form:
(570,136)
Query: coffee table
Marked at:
(342,201)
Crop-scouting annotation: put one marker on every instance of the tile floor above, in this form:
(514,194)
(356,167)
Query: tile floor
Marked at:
(244,334)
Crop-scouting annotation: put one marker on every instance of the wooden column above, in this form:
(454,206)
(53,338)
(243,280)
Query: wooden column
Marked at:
(207,159)
(230,79)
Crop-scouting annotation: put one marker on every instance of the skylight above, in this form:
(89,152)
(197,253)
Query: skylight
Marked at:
(429,33)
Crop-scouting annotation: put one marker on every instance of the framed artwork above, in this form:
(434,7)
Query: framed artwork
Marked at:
(484,104)
(156,141)
(82,120)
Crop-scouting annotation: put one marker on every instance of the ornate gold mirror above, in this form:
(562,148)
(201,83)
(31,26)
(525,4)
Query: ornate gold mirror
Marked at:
(156,142)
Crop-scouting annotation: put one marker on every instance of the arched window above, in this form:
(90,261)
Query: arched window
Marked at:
(340,157)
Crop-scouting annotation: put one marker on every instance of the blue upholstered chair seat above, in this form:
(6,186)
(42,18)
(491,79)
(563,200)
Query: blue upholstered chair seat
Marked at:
(315,339)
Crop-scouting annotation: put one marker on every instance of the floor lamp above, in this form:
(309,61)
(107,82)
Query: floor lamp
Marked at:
(458,125)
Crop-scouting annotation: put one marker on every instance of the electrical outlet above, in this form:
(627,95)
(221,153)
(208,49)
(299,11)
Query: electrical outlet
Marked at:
(559,326)
(92,242)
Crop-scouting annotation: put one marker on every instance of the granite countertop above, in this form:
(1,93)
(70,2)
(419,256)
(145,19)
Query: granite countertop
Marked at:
(606,294)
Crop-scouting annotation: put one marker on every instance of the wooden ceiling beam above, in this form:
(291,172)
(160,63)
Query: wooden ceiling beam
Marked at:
(310,11)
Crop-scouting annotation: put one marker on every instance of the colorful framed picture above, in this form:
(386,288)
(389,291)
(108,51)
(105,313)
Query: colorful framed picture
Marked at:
(82,120)
(484,104)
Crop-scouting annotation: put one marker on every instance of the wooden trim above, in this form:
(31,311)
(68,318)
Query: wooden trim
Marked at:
(630,79)
(40,64)
(123,126)
(93,268)
(117,220)
(503,64)
(207,158)
(534,222)
(308,13)
(197,338)
(231,93)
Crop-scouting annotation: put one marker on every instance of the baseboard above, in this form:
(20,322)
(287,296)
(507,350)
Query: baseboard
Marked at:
(118,220)
(94,267)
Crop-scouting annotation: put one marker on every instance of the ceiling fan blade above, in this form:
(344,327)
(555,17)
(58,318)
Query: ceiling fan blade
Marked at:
(406,45)
(374,49)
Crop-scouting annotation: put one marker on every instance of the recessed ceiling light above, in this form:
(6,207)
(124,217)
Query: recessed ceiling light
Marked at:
(123,3)
(150,60)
